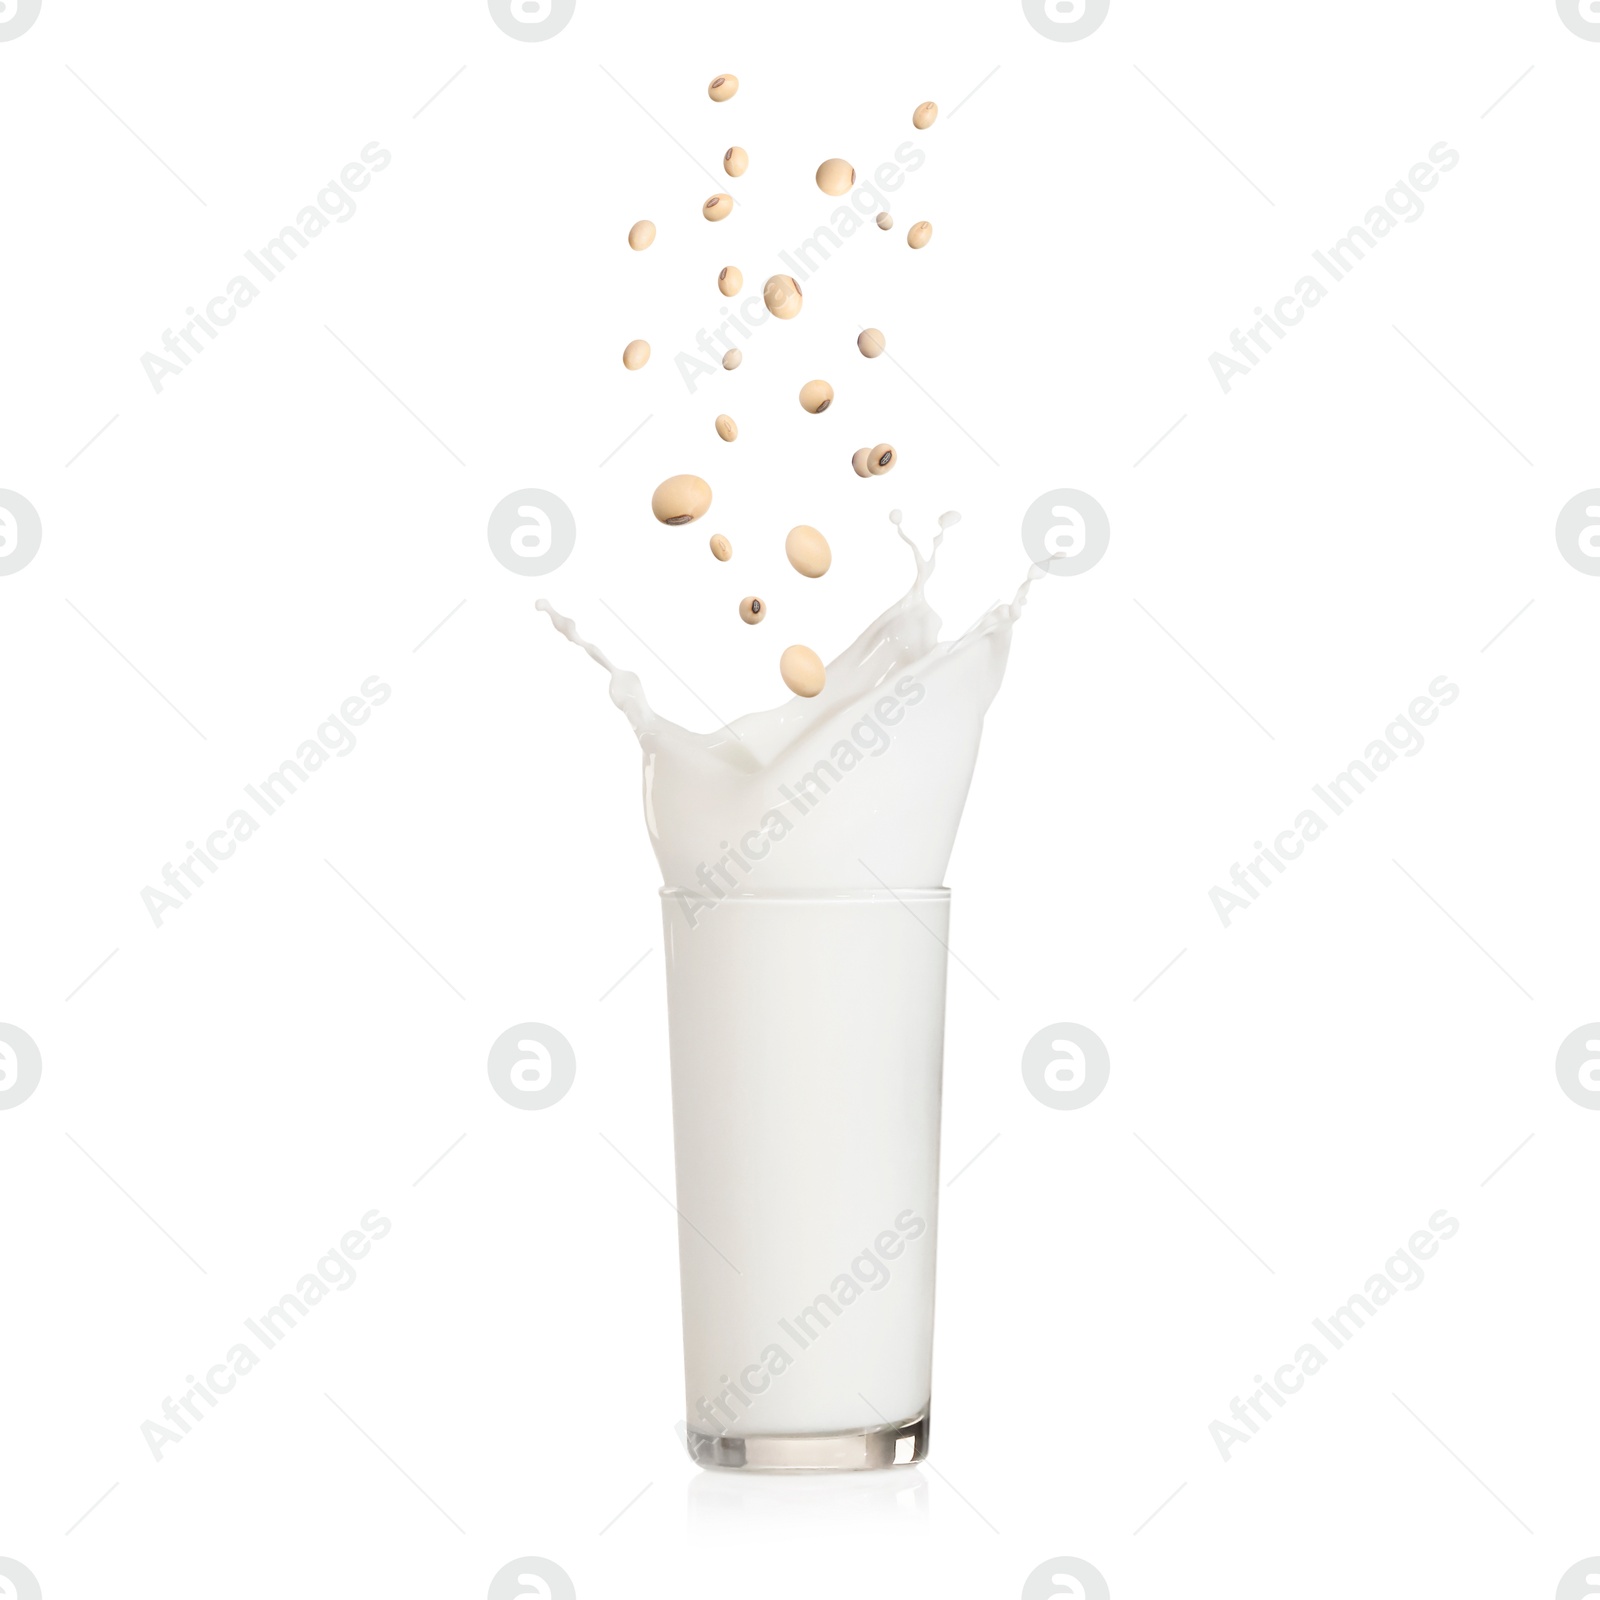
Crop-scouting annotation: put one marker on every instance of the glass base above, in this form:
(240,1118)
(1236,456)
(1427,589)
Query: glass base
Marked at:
(898,1444)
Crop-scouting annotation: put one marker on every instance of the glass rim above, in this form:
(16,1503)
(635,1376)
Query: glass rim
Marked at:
(805,896)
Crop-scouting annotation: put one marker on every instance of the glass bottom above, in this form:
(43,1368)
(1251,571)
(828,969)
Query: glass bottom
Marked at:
(898,1444)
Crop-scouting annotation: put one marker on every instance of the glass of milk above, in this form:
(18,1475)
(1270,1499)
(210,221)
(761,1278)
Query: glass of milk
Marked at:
(807,1034)
(806,1010)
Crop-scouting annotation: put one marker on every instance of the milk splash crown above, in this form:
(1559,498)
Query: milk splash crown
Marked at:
(860,787)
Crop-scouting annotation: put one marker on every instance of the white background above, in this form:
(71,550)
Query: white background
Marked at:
(1367,1044)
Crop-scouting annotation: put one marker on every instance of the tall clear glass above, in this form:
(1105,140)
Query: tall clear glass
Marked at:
(807,1034)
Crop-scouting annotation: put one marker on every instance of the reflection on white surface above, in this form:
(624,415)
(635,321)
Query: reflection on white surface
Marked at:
(756,1503)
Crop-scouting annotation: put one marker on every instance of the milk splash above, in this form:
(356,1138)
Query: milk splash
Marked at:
(860,787)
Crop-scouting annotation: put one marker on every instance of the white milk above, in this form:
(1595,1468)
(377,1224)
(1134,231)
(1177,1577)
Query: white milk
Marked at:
(801,849)
(807,1036)
(860,787)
